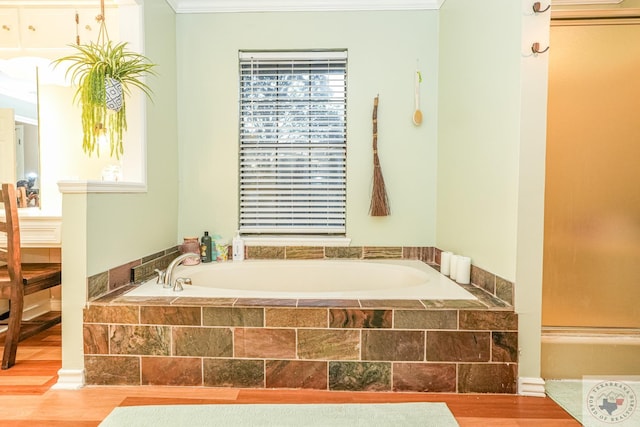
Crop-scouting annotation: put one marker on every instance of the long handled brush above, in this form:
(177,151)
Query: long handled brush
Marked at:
(379,200)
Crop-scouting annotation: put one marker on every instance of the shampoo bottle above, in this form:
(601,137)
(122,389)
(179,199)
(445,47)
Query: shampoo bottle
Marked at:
(205,247)
(238,247)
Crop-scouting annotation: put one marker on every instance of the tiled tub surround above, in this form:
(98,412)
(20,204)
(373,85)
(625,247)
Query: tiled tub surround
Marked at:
(369,345)
(142,269)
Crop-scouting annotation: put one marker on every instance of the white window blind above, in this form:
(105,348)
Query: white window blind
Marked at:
(293,142)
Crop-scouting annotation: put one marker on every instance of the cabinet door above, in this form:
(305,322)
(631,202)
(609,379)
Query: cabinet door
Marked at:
(47,28)
(9,30)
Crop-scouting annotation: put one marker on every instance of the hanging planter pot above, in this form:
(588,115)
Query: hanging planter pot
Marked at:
(105,72)
(113,94)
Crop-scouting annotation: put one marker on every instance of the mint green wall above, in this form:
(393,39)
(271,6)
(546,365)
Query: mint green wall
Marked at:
(101,231)
(464,159)
(124,227)
(384,48)
(479,132)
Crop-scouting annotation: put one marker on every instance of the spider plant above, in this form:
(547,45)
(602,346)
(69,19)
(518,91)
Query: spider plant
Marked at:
(100,70)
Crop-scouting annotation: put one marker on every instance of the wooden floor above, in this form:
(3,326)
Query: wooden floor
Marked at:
(26,398)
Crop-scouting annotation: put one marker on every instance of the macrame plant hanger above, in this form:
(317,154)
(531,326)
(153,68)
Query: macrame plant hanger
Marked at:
(103,36)
(113,87)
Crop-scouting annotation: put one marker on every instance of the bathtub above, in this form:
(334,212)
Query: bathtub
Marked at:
(311,279)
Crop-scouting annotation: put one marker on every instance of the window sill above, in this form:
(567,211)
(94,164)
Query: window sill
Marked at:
(68,187)
(296,241)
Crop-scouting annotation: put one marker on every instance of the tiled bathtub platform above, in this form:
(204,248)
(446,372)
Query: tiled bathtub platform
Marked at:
(367,345)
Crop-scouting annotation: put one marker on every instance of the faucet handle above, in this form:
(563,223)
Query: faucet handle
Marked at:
(178,286)
(161,275)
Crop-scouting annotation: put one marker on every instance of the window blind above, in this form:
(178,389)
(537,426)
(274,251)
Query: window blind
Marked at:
(293,142)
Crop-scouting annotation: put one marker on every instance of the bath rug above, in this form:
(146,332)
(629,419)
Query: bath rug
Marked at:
(567,394)
(598,403)
(283,415)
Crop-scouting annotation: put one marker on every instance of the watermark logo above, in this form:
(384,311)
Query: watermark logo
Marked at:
(611,401)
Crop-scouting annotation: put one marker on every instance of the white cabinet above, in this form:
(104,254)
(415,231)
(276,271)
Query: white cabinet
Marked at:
(47,28)
(37,230)
(9,29)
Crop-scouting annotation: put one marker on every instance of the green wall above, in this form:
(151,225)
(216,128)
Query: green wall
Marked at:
(479,132)
(101,231)
(384,49)
(125,227)
(454,182)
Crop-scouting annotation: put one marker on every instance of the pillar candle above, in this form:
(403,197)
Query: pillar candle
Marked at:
(445,263)
(453,267)
(463,273)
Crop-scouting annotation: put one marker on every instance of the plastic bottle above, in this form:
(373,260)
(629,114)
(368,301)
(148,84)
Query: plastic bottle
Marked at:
(205,247)
(238,247)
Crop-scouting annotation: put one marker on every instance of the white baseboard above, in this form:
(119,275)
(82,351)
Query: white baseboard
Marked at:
(530,386)
(37,304)
(591,336)
(69,379)
(55,304)
(34,310)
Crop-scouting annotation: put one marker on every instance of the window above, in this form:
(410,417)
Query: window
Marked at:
(293,142)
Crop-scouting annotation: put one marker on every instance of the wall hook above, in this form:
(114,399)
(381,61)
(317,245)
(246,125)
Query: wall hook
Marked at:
(535,48)
(537,6)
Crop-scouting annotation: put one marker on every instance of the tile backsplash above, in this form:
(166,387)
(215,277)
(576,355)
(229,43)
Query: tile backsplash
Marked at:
(142,269)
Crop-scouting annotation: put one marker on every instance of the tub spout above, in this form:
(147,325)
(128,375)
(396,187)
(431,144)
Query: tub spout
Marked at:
(168,279)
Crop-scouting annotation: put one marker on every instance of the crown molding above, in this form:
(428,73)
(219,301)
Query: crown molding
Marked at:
(204,6)
(583,2)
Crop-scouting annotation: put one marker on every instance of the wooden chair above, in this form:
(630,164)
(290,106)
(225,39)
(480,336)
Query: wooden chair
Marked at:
(18,279)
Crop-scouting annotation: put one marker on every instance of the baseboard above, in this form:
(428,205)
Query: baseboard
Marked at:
(56,304)
(530,386)
(591,336)
(36,304)
(35,310)
(69,379)
(572,353)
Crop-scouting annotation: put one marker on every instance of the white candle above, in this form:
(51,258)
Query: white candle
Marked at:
(463,273)
(453,267)
(445,263)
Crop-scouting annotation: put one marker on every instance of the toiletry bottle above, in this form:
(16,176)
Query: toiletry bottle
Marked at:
(190,245)
(205,247)
(238,247)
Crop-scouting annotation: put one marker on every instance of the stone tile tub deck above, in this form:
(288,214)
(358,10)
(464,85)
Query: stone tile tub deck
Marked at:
(449,346)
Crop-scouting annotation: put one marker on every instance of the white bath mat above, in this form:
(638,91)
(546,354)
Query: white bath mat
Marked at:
(282,415)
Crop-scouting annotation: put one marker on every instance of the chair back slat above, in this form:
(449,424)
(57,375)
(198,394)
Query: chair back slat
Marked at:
(11,226)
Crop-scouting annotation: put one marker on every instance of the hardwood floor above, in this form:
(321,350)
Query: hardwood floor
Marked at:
(26,398)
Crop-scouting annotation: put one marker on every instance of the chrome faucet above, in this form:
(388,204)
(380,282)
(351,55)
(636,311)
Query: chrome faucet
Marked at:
(168,279)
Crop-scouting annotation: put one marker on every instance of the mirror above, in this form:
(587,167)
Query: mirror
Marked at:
(20,161)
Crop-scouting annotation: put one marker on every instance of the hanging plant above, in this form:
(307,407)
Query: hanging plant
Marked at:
(105,72)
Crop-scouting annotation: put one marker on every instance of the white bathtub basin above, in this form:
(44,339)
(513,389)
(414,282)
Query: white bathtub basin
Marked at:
(304,279)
